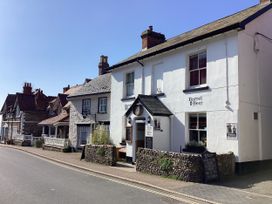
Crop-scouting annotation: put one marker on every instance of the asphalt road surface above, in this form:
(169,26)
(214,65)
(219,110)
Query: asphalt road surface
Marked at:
(25,179)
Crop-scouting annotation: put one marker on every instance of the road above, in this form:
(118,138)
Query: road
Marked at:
(25,179)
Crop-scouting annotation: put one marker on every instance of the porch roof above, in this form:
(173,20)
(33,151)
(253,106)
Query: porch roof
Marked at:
(62,117)
(152,104)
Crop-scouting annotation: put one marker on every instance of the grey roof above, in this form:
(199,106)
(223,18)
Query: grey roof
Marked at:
(152,104)
(98,85)
(235,21)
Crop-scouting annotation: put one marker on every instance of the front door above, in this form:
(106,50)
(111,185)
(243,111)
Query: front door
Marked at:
(140,136)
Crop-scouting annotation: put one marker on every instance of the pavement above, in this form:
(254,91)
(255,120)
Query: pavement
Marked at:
(253,188)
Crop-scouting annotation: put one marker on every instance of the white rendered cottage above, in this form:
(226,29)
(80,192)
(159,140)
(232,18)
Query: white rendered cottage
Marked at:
(214,81)
(90,106)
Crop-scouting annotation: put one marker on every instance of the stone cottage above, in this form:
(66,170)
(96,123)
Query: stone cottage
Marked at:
(90,106)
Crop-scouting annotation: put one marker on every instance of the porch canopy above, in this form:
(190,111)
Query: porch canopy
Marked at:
(62,118)
(152,104)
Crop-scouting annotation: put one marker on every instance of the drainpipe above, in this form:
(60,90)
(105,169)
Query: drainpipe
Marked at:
(256,49)
(171,132)
(227,105)
(143,81)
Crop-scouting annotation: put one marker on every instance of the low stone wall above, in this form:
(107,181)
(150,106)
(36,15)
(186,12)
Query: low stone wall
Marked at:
(181,166)
(51,148)
(226,164)
(102,154)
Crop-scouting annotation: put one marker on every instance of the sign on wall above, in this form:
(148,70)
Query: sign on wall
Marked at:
(232,130)
(149,142)
(196,101)
(148,130)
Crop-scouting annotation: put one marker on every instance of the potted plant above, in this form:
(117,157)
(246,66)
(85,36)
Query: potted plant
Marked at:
(195,147)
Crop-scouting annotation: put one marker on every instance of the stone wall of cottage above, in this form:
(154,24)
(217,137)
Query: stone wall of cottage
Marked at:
(76,117)
(102,154)
(30,122)
(182,166)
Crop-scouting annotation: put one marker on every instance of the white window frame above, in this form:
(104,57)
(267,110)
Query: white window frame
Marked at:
(102,104)
(155,89)
(197,126)
(127,84)
(189,71)
(83,129)
(86,107)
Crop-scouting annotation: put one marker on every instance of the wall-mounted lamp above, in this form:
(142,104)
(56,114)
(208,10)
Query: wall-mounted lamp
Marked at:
(148,119)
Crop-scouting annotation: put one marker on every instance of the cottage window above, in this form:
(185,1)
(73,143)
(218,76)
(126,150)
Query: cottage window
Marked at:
(102,105)
(157,79)
(198,69)
(198,127)
(86,106)
(129,84)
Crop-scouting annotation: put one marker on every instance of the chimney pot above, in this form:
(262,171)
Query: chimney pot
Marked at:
(27,89)
(151,38)
(265,1)
(103,65)
(66,88)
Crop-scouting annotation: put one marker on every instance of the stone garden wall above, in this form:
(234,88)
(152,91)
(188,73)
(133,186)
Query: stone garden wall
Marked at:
(181,166)
(226,164)
(102,154)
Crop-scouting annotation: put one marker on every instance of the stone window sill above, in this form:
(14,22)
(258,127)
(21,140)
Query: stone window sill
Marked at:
(128,99)
(191,90)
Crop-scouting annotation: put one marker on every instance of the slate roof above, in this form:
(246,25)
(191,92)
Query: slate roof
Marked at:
(9,102)
(98,85)
(232,22)
(73,89)
(152,104)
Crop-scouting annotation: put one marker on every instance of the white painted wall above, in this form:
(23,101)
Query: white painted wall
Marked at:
(175,67)
(77,118)
(255,71)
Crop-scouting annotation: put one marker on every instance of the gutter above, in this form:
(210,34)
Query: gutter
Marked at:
(78,96)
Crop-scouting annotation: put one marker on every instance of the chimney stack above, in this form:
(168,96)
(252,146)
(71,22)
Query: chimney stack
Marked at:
(27,89)
(265,1)
(103,65)
(151,38)
(66,88)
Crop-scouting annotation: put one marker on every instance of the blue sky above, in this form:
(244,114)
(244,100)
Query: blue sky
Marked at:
(53,43)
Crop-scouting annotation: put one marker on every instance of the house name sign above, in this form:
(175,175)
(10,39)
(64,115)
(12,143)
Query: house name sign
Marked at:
(196,101)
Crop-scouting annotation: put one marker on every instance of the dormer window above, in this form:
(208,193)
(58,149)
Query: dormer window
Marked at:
(198,69)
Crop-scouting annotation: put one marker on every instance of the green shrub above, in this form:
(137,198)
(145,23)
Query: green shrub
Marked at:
(67,149)
(195,147)
(101,151)
(39,143)
(101,136)
(166,164)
